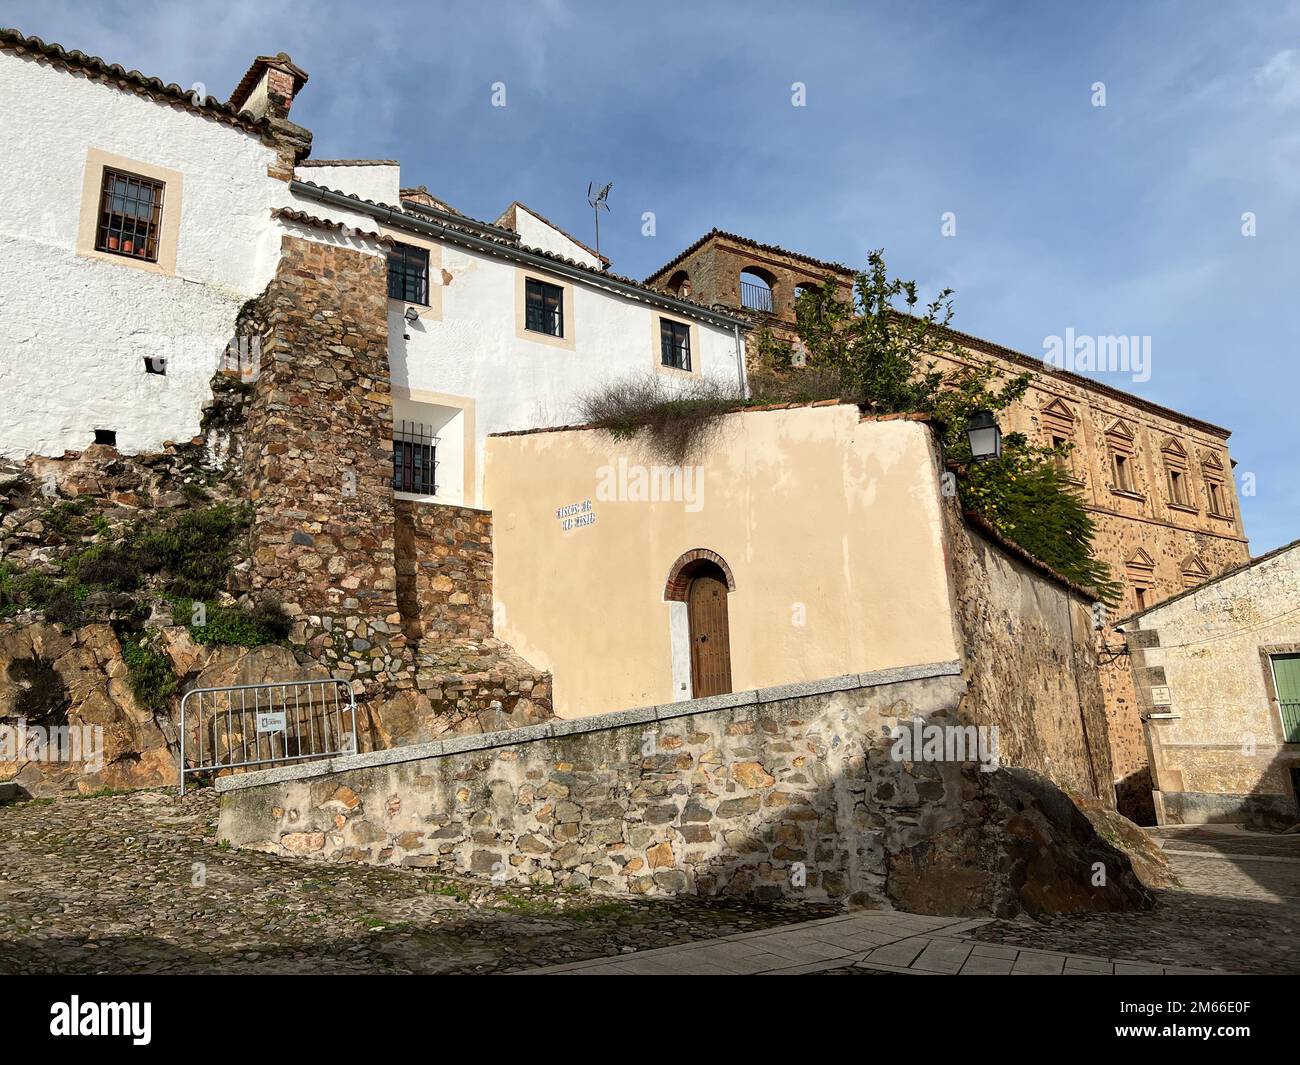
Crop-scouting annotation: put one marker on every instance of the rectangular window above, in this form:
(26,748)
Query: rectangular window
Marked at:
(408,274)
(415,459)
(1177,493)
(675,344)
(544,308)
(1215,492)
(1286,681)
(130,216)
(1123,478)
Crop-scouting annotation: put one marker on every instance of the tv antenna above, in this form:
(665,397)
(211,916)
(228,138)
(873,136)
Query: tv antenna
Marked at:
(597,202)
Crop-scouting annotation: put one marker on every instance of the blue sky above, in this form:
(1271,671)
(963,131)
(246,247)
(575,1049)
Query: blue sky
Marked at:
(1124,219)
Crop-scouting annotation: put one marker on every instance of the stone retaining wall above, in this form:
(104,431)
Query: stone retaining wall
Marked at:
(785,791)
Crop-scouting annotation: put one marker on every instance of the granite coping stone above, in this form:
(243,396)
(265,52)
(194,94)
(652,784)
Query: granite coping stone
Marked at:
(483,741)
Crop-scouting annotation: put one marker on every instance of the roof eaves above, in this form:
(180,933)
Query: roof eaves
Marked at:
(1241,568)
(95,68)
(515,204)
(396,216)
(749,242)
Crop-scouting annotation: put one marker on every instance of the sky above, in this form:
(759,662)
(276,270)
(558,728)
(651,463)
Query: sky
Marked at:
(1111,168)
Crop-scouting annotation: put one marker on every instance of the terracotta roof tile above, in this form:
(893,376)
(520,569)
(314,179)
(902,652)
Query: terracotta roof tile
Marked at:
(305,219)
(750,243)
(97,69)
(596,275)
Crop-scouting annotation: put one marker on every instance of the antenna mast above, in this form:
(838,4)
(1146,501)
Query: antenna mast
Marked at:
(597,201)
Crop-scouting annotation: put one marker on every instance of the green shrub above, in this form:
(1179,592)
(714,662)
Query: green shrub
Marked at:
(65,517)
(192,550)
(233,626)
(152,680)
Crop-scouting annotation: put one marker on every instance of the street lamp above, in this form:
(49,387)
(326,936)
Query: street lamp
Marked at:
(984,436)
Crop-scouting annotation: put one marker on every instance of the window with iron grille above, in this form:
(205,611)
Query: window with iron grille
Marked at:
(408,274)
(130,216)
(675,344)
(543,307)
(415,464)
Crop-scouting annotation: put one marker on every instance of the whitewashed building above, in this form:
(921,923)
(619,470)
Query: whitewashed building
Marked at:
(144,216)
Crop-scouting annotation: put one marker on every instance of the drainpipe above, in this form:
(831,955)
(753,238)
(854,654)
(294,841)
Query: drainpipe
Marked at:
(740,365)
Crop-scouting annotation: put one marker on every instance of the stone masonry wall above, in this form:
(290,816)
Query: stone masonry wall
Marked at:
(444,591)
(784,792)
(1031,663)
(319,465)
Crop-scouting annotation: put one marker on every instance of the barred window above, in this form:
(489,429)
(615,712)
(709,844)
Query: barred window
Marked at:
(675,344)
(408,274)
(130,216)
(415,464)
(543,307)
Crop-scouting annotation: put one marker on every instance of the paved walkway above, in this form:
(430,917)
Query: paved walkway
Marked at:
(859,944)
(137,883)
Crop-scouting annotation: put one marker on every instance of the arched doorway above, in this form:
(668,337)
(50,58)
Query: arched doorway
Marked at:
(706,606)
(701,581)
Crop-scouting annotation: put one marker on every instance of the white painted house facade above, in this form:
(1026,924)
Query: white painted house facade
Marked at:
(492,326)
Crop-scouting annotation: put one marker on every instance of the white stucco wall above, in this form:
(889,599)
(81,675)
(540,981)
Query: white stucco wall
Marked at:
(74,331)
(474,350)
(536,233)
(382,184)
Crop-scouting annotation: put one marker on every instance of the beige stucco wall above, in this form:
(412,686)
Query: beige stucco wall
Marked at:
(831,527)
(1223,757)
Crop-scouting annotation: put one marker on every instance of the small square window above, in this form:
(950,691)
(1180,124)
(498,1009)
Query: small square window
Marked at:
(408,274)
(675,344)
(543,307)
(130,216)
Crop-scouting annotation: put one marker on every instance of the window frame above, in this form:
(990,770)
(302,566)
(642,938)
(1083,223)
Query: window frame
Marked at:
(92,203)
(670,330)
(151,228)
(544,290)
(405,250)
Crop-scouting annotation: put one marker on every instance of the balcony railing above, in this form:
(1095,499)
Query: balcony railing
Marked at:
(756,297)
(415,459)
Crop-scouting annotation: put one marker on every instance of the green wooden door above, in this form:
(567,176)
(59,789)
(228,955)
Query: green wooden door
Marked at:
(1286,675)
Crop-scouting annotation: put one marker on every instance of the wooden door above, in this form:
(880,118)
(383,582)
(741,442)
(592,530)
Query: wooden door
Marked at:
(706,603)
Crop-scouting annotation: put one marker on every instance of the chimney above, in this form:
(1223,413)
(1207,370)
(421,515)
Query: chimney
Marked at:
(269,86)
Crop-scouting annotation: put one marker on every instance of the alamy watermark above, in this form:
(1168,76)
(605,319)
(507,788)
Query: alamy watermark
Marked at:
(22,742)
(629,482)
(1085,354)
(916,741)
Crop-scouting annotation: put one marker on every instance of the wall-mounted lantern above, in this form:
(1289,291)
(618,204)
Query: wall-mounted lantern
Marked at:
(984,436)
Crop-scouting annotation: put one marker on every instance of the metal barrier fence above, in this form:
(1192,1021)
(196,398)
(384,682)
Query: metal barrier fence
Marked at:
(265,724)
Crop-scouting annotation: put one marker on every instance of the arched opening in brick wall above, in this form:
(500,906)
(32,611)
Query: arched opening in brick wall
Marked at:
(697,593)
(680,284)
(758,289)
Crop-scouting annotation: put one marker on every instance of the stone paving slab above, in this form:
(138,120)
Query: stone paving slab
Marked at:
(914,946)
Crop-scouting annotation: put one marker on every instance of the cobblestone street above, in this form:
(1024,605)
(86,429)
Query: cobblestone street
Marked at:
(136,883)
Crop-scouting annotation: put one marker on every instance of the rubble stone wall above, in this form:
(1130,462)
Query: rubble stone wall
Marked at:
(320,463)
(782,792)
(1031,663)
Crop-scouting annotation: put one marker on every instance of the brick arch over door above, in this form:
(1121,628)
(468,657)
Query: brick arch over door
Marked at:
(679,576)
